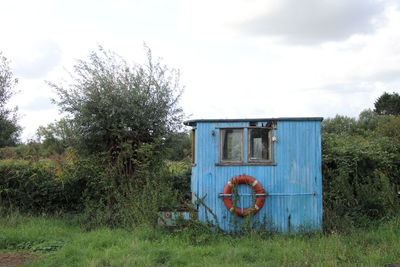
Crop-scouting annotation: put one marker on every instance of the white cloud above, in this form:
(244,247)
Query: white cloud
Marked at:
(317,21)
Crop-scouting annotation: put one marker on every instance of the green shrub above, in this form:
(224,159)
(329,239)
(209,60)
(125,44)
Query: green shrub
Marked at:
(360,180)
(137,201)
(47,186)
(90,185)
(29,151)
(29,186)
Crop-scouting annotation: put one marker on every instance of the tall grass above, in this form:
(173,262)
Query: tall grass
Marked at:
(61,242)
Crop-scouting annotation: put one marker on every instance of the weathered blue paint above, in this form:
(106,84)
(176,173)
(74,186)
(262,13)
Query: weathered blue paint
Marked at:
(294,184)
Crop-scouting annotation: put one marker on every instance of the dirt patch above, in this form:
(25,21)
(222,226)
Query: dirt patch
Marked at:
(15,258)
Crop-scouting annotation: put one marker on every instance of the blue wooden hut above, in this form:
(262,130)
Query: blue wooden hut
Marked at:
(263,172)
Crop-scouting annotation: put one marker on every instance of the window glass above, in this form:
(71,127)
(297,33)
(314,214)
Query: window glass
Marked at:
(231,144)
(259,149)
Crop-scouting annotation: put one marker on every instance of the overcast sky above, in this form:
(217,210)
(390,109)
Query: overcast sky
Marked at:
(238,58)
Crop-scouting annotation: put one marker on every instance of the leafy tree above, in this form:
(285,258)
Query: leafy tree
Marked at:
(388,104)
(9,129)
(366,123)
(179,146)
(121,115)
(58,136)
(339,125)
(391,129)
(369,121)
(120,109)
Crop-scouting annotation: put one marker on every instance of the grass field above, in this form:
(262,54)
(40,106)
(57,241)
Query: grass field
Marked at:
(61,242)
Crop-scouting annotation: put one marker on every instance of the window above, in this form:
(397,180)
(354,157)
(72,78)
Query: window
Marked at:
(231,145)
(259,145)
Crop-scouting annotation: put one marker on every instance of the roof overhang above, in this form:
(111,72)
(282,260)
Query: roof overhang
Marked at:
(194,122)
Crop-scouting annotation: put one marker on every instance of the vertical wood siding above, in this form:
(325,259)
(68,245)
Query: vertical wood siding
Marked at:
(294,184)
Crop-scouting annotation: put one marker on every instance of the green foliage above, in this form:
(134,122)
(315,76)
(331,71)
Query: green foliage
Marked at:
(178,175)
(112,103)
(9,129)
(8,153)
(178,146)
(367,122)
(360,173)
(391,129)
(131,204)
(28,186)
(339,125)
(58,136)
(87,185)
(9,134)
(106,160)
(48,186)
(361,169)
(120,114)
(388,104)
(30,151)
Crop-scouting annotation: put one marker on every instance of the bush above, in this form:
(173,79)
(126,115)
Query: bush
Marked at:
(30,186)
(86,185)
(138,201)
(360,179)
(47,186)
(30,151)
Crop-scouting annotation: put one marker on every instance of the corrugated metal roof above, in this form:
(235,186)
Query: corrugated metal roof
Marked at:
(194,122)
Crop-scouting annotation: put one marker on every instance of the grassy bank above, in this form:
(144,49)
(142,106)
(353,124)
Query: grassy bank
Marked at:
(63,243)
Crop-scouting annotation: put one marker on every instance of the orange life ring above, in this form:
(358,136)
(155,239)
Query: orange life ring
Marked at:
(255,185)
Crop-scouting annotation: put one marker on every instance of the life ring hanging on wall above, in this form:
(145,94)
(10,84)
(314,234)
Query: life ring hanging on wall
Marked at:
(255,185)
